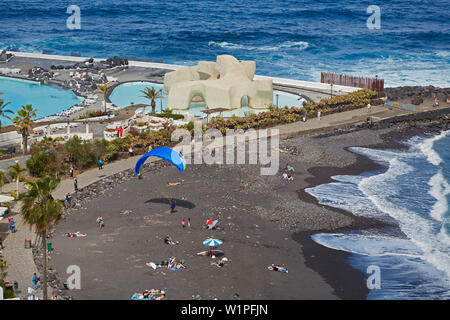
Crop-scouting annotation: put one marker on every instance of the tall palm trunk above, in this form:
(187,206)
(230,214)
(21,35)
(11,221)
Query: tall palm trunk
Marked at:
(153,107)
(44,263)
(17,187)
(25,143)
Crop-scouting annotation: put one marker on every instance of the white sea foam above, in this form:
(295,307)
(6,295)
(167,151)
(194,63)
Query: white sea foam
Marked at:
(298,45)
(443,54)
(427,148)
(439,189)
(421,231)
(369,245)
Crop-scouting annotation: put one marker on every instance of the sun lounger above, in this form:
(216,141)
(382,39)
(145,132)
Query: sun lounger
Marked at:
(3,210)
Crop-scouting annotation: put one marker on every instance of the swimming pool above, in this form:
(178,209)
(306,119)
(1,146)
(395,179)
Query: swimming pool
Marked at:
(129,93)
(46,99)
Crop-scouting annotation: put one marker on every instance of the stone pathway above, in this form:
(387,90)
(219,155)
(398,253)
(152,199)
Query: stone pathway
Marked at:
(20,260)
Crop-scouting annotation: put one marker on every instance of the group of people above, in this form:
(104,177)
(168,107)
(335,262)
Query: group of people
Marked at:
(12,224)
(436,101)
(287,176)
(153,294)
(119,131)
(183,223)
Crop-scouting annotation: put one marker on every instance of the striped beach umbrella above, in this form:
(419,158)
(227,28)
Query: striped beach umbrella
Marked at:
(212,242)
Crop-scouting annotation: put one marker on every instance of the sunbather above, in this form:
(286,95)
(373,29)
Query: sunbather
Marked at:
(277,268)
(168,240)
(76,234)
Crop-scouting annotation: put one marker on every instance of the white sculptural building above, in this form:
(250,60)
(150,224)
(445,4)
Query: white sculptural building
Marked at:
(226,83)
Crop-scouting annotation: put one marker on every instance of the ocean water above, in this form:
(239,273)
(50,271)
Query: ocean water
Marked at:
(286,38)
(412,193)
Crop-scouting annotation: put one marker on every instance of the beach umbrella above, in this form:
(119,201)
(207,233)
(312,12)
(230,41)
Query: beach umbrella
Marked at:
(212,242)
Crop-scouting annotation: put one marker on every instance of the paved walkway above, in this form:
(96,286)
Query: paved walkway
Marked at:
(20,260)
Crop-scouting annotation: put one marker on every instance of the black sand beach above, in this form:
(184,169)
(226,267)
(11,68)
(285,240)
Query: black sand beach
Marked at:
(266,220)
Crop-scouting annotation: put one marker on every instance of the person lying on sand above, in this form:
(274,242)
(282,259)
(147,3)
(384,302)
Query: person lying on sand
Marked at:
(170,184)
(220,262)
(168,240)
(76,234)
(277,268)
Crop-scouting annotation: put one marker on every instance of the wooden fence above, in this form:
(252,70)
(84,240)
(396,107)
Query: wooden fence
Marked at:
(352,81)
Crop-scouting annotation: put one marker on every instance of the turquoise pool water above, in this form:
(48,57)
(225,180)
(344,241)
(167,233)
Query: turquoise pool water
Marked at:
(129,93)
(46,99)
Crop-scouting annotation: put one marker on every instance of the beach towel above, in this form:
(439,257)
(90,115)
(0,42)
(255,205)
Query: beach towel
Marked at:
(136,296)
(153,265)
(179,267)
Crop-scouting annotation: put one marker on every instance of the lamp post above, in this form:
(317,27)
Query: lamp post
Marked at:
(331,85)
(277,100)
(161,96)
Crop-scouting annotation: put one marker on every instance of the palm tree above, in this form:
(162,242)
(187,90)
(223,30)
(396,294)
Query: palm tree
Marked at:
(40,210)
(23,122)
(3,111)
(15,172)
(151,94)
(103,89)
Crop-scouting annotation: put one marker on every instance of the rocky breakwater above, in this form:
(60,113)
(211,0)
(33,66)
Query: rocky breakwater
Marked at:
(417,94)
(4,57)
(40,74)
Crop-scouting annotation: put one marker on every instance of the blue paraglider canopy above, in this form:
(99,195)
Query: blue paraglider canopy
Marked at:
(165,153)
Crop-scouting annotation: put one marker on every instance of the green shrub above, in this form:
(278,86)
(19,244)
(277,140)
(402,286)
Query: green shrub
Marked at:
(42,162)
(81,153)
(168,113)
(189,126)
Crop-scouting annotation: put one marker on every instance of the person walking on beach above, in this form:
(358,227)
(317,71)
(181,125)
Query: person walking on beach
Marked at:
(68,200)
(189,222)
(9,223)
(75,184)
(173,204)
(35,281)
(318,115)
(100,222)
(369,108)
(183,223)
(12,226)
(1,243)
(71,171)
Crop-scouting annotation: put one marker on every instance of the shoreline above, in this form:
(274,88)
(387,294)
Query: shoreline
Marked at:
(314,253)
